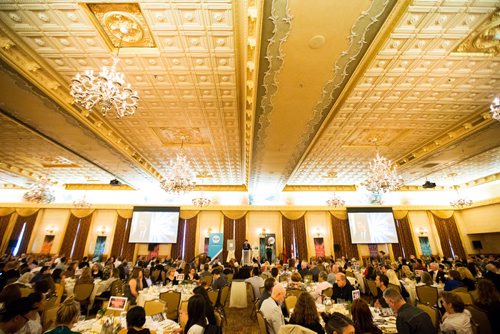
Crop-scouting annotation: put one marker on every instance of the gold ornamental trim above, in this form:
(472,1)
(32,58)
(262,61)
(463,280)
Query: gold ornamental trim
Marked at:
(484,39)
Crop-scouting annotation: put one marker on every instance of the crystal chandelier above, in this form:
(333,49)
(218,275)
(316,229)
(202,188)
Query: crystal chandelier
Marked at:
(382,177)
(106,91)
(460,202)
(495,108)
(201,201)
(180,177)
(40,192)
(82,203)
(335,201)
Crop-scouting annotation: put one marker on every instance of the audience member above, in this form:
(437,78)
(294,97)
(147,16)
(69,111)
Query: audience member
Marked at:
(467,278)
(255,281)
(410,319)
(362,318)
(426,279)
(85,277)
(342,288)
(197,319)
(337,323)
(305,313)
(220,280)
(382,282)
(454,282)
(488,299)
(13,315)
(317,294)
(67,315)
(271,309)
(296,282)
(133,286)
(34,324)
(456,318)
(136,318)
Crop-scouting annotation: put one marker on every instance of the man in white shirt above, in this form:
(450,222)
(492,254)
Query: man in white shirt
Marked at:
(271,309)
(256,281)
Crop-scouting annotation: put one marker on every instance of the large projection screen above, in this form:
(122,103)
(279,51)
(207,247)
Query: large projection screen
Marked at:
(154,224)
(372,226)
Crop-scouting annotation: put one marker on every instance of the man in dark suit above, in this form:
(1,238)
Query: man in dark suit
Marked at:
(342,289)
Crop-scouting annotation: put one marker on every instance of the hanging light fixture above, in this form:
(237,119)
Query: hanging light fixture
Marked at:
(82,203)
(495,108)
(180,177)
(40,192)
(201,201)
(106,91)
(335,201)
(383,176)
(460,202)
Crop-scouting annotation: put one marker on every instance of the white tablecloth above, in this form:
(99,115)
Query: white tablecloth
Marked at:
(153,293)
(238,296)
(95,325)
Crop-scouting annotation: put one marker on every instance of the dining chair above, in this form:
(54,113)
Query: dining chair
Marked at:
(328,292)
(213,295)
(82,293)
(295,329)
(173,300)
(466,297)
(290,302)
(49,318)
(432,312)
(154,307)
(427,294)
(480,319)
(262,323)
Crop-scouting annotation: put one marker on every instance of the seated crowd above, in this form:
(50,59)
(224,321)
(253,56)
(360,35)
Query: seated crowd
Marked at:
(27,285)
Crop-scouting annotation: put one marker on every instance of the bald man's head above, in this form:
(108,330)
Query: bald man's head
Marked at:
(278,293)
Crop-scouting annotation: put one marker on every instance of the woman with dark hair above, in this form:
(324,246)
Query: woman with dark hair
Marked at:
(34,323)
(456,318)
(455,281)
(209,309)
(133,286)
(136,318)
(337,323)
(362,318)
(192,275)
(96,271)
(85,277)
(10,293)
(489,300)
(296,283)
(197,319)
(305,314)
(426,278)
(58,276)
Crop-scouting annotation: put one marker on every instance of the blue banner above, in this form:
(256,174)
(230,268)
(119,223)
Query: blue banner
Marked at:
(215,244)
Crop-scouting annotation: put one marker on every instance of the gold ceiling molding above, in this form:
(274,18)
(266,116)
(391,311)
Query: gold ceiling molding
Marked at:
(482,180)
(11,186)
(347,187)
(21,58)
(84,186)
(472,125)
(238,188)
(250,78)
(110,17)
(19,171)
(420,188)
(484,39)
(177,137)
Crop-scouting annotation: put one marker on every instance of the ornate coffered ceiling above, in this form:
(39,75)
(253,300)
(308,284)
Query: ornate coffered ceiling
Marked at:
(263,95)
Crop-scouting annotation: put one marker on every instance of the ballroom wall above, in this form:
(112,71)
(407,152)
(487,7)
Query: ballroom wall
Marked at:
(479,223)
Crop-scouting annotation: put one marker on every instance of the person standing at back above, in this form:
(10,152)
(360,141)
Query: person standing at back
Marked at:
(410,319)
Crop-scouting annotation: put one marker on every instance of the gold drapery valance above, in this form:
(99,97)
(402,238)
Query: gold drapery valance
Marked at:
(6,211)
(234,214)
(400,214)
(125,213)
(26,212)
(443,214)
(189,214)
(293,215)
(342,215)
(81,213)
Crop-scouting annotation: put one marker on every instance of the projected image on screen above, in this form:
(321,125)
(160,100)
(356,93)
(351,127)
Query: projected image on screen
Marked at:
(372,227)
(154,226)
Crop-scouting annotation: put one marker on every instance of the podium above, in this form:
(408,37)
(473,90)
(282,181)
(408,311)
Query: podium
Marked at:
(246,257)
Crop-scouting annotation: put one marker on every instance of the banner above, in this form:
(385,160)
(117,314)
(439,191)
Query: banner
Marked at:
(215,245)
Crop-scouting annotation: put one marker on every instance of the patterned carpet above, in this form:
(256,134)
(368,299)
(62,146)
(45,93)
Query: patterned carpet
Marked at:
(239,321)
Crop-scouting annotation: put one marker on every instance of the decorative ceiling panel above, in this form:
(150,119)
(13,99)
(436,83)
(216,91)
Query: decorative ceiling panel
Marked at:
(415,86)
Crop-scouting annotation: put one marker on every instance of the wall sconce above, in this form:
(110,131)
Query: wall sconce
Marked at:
(207,232)
(422,231)
(319,232)
(262,232)
(102,230)
(50,230)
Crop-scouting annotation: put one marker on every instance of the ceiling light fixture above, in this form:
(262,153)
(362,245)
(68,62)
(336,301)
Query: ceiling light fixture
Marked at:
(82,203)
(40,192)
(180,177)
(460,202)
(106,91)
(383,176)
(495,108)
(201,201)
(335,201)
